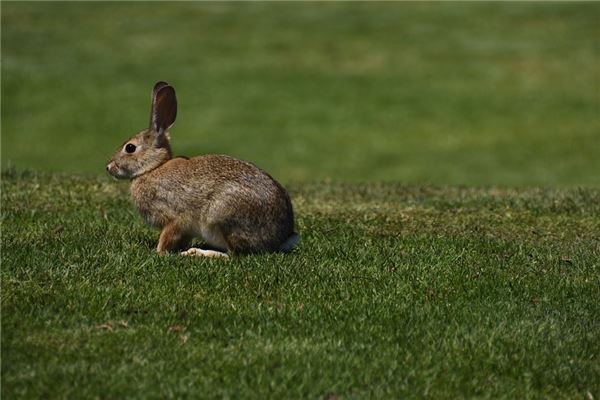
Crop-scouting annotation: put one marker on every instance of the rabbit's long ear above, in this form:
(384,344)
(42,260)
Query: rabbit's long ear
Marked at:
(157,86)
(164,107)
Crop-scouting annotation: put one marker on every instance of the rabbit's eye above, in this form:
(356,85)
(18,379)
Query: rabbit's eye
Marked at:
(130,148)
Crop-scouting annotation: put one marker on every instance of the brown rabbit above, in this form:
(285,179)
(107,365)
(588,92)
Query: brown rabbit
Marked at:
(234,206)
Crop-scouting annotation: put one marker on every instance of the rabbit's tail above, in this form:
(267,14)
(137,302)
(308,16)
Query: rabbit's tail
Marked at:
(290,243)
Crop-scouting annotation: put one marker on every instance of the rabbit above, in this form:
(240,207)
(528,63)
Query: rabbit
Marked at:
(234,206)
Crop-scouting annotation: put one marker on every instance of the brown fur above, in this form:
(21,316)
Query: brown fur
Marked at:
(232,204)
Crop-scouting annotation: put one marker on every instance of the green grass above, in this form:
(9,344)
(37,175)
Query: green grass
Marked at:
(397,291)
(471,269)
(460,93)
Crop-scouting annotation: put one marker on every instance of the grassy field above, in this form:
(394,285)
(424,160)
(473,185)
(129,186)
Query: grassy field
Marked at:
(395,292)
(459,93)
(443,163)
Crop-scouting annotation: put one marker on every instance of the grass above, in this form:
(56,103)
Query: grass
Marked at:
(459,259)
(475,94)
(397,291)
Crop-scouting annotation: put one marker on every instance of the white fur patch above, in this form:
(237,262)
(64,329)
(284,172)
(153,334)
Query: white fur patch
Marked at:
(194,251)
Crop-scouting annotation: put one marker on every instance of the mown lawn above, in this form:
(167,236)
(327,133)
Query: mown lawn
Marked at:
(397,291)
(460,258)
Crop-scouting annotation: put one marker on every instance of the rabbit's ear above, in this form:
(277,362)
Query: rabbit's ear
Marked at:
(164,107)
(157,86)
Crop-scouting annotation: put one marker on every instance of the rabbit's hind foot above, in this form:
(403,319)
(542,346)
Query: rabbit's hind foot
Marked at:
(194,251)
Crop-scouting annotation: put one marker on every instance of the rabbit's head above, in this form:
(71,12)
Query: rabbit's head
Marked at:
(150,148)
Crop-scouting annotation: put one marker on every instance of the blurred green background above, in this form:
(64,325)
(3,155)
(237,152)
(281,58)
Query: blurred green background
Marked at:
(447,93)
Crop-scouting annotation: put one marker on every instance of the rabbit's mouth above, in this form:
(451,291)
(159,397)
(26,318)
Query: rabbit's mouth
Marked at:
(113,169)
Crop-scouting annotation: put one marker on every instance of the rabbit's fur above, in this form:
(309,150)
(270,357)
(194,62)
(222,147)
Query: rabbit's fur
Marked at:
(234,206)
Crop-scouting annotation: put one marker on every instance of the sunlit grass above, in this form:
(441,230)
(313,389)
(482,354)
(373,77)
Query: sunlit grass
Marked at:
(395,291)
